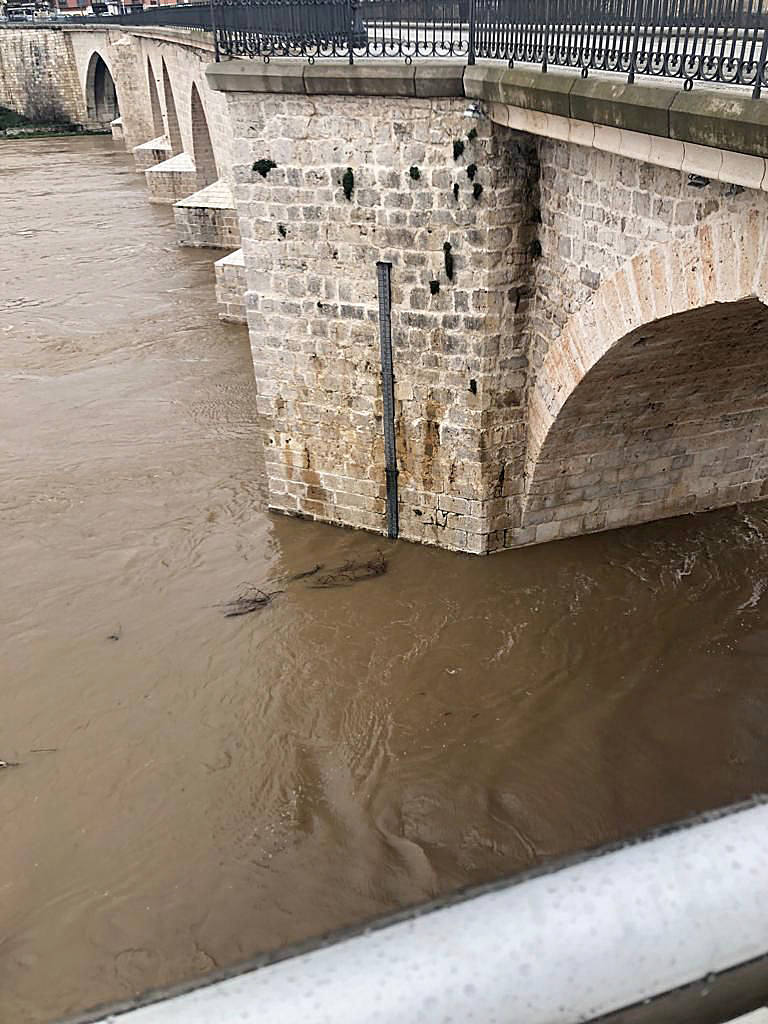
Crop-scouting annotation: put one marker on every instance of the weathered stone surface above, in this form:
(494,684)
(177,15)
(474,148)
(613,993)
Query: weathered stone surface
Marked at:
(230,287)
(364,78)
(720,119)
(280,75)
(38,76)
(439,78)
(637,107)
(521,87)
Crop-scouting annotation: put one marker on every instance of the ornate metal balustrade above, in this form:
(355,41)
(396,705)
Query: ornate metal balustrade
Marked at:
(721,41)
(195,16)
(708,40)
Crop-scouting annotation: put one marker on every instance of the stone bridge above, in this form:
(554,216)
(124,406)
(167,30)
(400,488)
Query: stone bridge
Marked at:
(579,273)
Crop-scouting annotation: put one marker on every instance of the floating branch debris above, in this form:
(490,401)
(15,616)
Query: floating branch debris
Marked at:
(252,599)
(353,572)
(306,574)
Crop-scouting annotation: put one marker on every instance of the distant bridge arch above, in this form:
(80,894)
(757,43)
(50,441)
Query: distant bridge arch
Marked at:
(202,147)
(100,92)
(158,125)
(172,117)
(654,400)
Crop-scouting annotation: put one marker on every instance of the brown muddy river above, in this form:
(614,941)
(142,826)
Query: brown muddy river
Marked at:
(203,788)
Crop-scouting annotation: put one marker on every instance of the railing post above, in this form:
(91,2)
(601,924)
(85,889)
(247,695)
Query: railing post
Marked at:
(635,43)
(217,56)
(763,56)
(472,26)
(350,28)
(545,54)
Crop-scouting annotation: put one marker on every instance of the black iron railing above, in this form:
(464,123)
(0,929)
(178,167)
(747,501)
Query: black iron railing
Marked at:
(194,16)
(724,41)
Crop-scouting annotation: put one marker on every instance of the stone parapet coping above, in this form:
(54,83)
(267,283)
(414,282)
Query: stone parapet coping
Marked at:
(372,77)
(688,157)
(723,119)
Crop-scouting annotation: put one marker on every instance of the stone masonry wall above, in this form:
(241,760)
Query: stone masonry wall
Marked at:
(310,257)
(38,76)
(598,210)
(642,272)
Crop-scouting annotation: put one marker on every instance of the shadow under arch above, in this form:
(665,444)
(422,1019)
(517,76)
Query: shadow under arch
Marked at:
(100,92)
(158,126)
(654,400)
(174,132)
(202,147)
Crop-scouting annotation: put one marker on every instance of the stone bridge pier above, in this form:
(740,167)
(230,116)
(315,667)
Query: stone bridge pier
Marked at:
(579,326)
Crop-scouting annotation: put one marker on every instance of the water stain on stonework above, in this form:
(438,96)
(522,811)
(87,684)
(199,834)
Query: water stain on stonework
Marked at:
(431,445)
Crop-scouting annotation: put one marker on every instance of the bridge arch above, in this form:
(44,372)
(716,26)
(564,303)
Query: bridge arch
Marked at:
(202,147)
(100,92)
(654,400)
(174,132)
(158,126)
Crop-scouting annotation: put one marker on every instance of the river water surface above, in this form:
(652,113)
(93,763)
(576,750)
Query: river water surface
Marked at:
(193,789)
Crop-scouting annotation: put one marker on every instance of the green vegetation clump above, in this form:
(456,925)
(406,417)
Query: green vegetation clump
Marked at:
(448,259)
(472,134)
(263,166)
(348,183)
(477,190)
(10,119)
(415,173)
(458,148)
(434,287)
(472,171)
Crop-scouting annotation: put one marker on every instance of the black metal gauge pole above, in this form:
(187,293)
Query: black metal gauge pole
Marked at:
(383,274)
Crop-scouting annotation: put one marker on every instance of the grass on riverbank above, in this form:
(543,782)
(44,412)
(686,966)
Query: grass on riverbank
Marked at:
(16,126)
(10,119)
